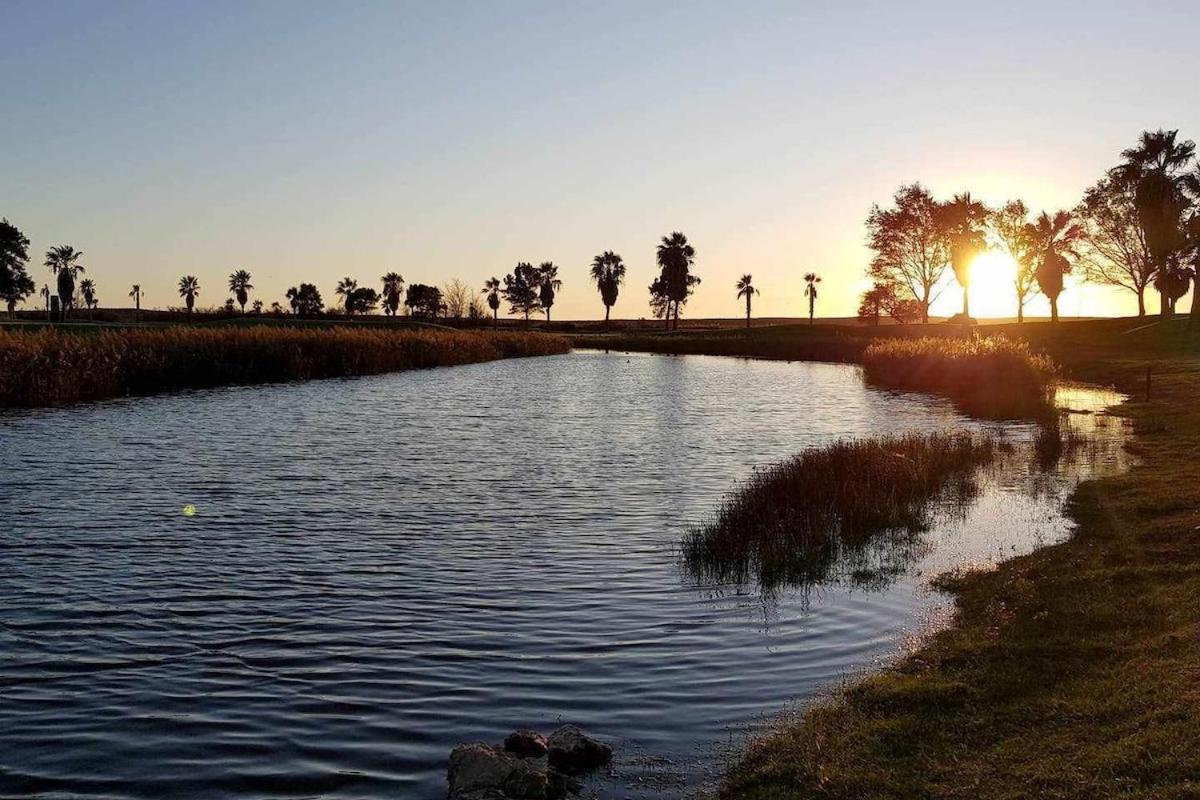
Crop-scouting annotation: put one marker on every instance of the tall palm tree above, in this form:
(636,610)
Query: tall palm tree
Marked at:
(189,287)
(346,288)
(811,279)
(1054,237)
(491,287)
(1156,169)
(87,287)
(745,288)
(548,286)
(239,284)
(962,222)
(393,284)
(63,261)
(675,257)
(136,294)
(608,271)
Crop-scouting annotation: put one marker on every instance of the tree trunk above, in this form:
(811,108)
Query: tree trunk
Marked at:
(1164,304)
(1053,310)
(495,319)
(812,302)
(1195,312)
(607,309)
(1141,295)
(747,311)
(966,305)
(1020,309)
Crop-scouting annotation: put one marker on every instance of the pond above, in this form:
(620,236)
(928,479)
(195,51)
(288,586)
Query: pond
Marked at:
(373,570)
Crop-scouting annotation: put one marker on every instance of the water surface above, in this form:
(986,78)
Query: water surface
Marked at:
(380,568)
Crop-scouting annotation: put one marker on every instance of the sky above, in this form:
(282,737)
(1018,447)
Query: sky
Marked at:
(308,141)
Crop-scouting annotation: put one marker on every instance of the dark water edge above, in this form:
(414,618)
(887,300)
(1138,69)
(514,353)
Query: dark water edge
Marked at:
(380,568)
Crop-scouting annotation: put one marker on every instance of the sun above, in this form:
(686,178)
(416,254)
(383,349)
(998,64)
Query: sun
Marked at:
(993,294)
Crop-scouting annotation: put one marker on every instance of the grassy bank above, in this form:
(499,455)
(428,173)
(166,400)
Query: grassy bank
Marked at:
(55,366)
(1069,673)
(789,523)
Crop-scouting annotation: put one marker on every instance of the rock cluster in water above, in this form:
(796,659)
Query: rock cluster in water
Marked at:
(528,767)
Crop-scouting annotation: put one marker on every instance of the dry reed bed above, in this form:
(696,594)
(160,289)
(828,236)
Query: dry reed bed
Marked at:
(54,367)
(789,522)
(987,376)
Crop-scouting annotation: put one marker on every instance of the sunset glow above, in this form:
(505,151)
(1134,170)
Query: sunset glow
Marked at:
(993,279)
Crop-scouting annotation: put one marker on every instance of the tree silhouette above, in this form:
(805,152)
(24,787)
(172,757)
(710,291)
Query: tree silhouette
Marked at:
(63,262)
(423,301)
(87,287)
(811,279)
(393,284)
(257,308)
(608,271)
(548,286)
(1055,238)
(189,287)
(15,282)
(491,288)
(305,300)
(745,288)
(962,222)
(136,294)
(521,290)
(675,258)
(1010,227)
(239,284)
(346,288)
(1113,248)
(911,250)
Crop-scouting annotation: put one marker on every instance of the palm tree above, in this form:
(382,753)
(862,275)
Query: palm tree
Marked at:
(136,294)
(239,284)
(62,261)
(962,221)
(46,299)
(393,283)
(608,271)
(746,289)
(293,298)
(1054,237)
(346,288)
(491,287)
(189,287)
(675,259)
(811,279)
(548,285)
(87,288)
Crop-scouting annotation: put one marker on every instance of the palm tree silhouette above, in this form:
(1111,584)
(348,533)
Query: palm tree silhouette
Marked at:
(746,289)
(548,285)
(239,284)
(1055,238)
(189,287)
(491,287)
(811,279)
(608,271)
(346,288)
(62,261)
(293,298)
(675,259)
(393,283)
(87,287)
(963,220)
(136,294)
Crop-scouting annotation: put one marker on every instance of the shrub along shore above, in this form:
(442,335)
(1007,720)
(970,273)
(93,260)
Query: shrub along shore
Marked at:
(52,366)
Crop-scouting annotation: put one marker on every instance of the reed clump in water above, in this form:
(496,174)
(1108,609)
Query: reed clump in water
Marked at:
(989,376)
(792,522)
(53,367)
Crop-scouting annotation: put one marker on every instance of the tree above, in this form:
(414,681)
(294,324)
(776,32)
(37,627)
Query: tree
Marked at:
(239,284)
(1054,238)
(548,286)
(15,282)
(276,309)
(423,301)
(257,308)
(228,306)
(521,290)
(811,279)
(363,300)
(911,250)
(305,300)
(1010,228)
(962,222)
(745,288)
(63,262)
(87,288)
(608,271)
(871,305)
(1156,172)
(393,284)
(457,296)
(491,288)
(888,298)
(189,287)
(136,294)
(675,258)
(1112,245)
(346,288)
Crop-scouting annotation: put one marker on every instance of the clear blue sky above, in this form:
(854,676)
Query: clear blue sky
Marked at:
(307,141)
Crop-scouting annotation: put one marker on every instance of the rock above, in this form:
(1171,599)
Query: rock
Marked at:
(480,771)
(526,744)
(573,751)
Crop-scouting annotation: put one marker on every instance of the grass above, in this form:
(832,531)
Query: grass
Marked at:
(1069,673)
(51,366)
(790,523)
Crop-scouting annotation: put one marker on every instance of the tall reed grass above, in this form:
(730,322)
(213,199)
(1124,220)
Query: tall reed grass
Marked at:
(55,367)
(987,376)
(791,522)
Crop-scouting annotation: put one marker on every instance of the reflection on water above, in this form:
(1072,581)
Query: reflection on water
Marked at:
(380,568)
